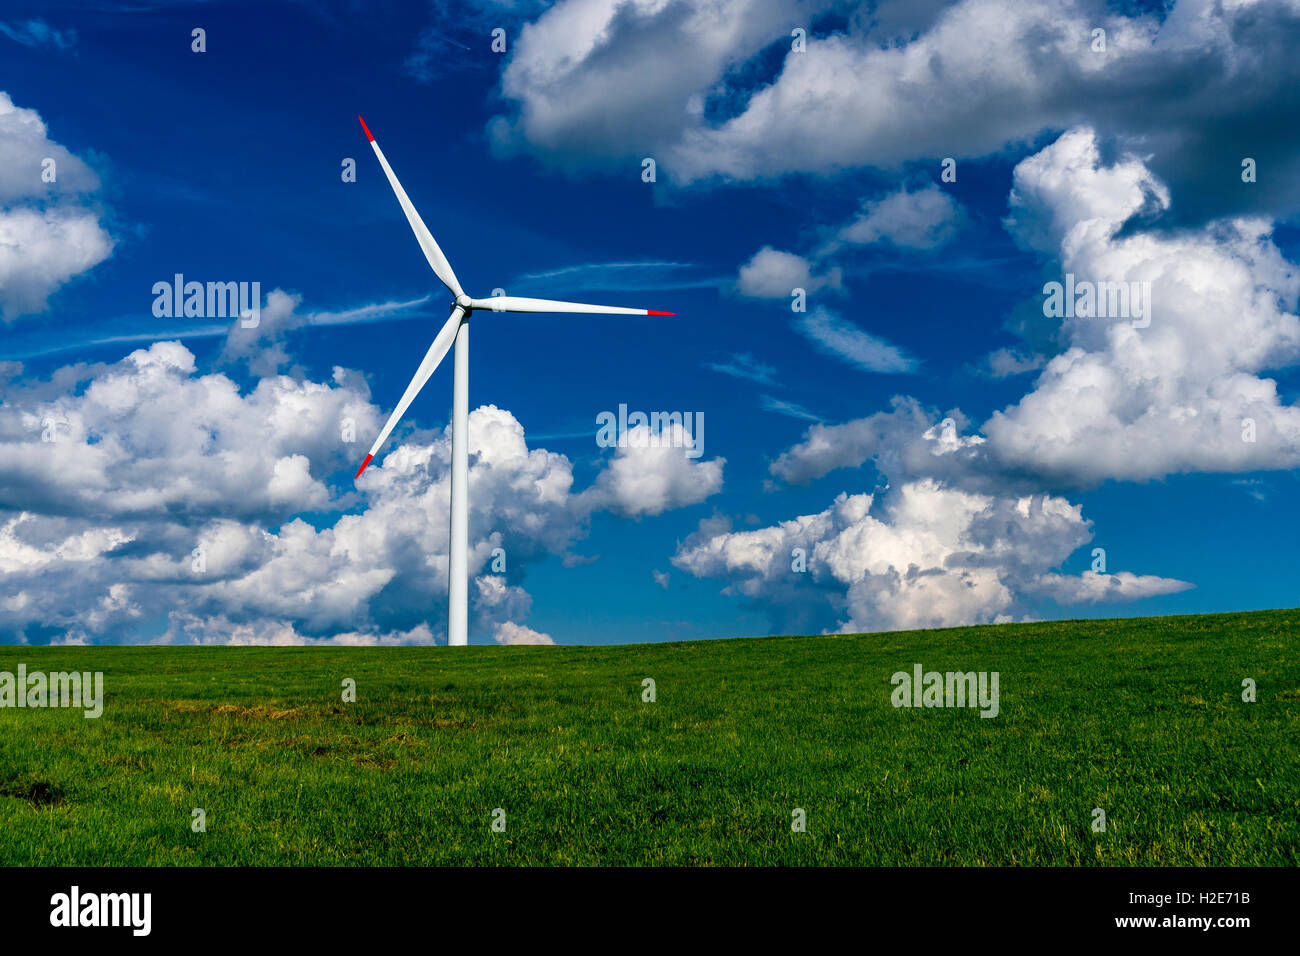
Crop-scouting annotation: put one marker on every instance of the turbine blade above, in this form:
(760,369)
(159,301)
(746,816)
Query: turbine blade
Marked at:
(513,303)
(437,352)
(432,252)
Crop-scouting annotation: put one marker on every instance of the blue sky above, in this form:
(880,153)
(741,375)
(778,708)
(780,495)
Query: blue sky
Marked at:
(775,169)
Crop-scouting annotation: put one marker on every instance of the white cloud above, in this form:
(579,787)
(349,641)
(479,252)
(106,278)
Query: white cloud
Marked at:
(963,534)
(900,85)
(171,499)
(1091,587)
(48,233)
(1185,393)
(508,632)
(1257,488)
(41,250)
(907,442)
(20,554)
(826,448)
(596,82)
(924,555)
(187,628)
(653,471)
(842,339)
(923,219)
(1138,403)
(770,403)
(149,435)
(744,365)
(1005,363)
(773,274)
(637,276)
(985,74)
(263,345)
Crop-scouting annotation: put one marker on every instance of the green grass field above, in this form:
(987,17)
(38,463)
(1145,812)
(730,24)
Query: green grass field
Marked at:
(1143,718)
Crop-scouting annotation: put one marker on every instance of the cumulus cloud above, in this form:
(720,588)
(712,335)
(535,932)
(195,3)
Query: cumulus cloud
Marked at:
(689,83)
(985,74)
(1123,399)
(1185,393)
(656,469)
(826,448)
(919,220)
(28,542)
(49,231)
(1006,362)
(1090,587)
(1158,119)
(596,82)
(773,274)
(913,221)
(922,555)
(148,435)
(907,442)
(955,537)
(508,632)
(187,628)
(923,219)
(263,346)
(41,250)
(143,498)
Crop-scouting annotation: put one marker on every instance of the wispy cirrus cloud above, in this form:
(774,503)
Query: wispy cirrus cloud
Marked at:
(130,329)
(770,403)
(38,33)
(842,339)
(745,366)
(617,277)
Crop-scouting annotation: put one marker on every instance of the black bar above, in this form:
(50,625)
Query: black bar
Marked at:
(334,905)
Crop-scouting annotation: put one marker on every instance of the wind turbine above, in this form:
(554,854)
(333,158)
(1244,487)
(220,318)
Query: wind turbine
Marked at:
(457,329)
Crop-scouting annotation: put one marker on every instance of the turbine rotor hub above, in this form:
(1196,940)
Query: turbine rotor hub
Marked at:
(463,301)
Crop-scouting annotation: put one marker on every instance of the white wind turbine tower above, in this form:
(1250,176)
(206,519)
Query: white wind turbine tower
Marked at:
(457,329)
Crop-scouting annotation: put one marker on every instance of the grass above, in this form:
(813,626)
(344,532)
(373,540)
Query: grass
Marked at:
(1140,717)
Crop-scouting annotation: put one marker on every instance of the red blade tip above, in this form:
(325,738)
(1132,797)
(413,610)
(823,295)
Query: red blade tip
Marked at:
(363,466)
(370,136)
(654,312)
